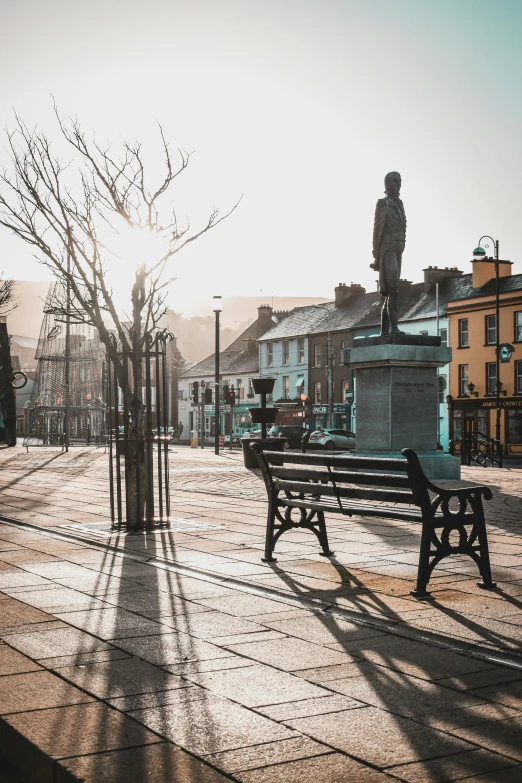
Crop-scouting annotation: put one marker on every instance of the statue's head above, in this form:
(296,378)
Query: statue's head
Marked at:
(392,184)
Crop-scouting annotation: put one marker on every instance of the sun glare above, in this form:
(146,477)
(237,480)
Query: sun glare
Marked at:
(130,249)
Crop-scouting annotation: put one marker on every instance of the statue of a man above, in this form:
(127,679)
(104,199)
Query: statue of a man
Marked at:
(389,238)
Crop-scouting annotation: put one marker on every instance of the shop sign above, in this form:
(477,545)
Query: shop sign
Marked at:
(319,408)
(341,408)
(510,403)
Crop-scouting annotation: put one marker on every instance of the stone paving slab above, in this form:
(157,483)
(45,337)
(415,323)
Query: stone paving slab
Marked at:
(121,677)
(53,734)
(37,691)
(159,763)
(267,754)
(378,737)
(210,725)
(262,689)
(13,662)
(333,768)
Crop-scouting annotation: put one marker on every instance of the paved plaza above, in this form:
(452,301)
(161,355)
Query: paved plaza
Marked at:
(180,656)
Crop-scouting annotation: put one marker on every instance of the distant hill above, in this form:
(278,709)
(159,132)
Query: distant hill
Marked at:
(194,328)
(240,309)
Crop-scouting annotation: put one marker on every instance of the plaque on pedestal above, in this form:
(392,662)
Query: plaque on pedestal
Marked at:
(397,398)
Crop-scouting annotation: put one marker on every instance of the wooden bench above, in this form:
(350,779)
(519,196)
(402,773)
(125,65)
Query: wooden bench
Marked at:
(312,484)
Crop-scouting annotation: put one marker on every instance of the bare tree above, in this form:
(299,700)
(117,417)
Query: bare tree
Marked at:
(70,211)
(8,301)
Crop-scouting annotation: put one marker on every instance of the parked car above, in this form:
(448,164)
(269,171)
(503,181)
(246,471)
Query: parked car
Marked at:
(332,439)
(253,434)
(292,432)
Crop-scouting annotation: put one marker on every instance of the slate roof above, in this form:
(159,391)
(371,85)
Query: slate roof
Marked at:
(463,288)
(301,320)
(230,363)
(363,311)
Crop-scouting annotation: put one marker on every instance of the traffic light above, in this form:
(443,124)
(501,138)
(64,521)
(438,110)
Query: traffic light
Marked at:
(195,392)
(231,397)
(225,393)
(208,396)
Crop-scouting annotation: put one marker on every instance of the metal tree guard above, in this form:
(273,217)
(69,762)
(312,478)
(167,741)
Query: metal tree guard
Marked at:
(139,463)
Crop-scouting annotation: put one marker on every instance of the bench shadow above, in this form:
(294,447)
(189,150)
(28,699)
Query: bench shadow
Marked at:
(401,676)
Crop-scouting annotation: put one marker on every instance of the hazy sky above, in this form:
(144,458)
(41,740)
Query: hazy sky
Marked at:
(300,105)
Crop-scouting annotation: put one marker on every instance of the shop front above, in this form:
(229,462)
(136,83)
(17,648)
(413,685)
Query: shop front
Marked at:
(238,419)
(480,416)
(293,412)
(342,417)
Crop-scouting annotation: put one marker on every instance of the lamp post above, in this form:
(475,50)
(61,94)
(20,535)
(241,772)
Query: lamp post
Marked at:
(479,254)
(218,303)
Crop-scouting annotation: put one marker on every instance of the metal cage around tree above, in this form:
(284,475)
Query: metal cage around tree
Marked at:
(138,452)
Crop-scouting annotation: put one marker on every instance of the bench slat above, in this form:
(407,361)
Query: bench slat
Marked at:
(362,509)
(361,493)
(340,476)
(344,461)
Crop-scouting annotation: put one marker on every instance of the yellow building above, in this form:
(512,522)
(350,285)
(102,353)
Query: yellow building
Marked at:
(473,338)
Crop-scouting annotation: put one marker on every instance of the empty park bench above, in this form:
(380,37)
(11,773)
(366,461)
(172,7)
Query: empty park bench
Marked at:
(311,484)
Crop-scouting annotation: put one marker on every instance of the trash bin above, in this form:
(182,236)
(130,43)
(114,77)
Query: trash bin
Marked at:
(193,439)
(267,444)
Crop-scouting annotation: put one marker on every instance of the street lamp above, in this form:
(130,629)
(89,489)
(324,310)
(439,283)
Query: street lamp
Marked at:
(479,254)
(218,305)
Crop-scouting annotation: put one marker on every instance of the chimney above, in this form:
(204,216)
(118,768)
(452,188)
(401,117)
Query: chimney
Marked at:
(404,283)
(250,344)
(264,320)
(484,270)
(343,292)
(432,275)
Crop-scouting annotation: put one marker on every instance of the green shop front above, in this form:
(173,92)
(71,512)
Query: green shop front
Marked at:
(342,417)
(238,418)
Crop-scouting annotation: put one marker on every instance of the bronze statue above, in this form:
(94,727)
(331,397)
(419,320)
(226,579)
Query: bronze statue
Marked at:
(389,238)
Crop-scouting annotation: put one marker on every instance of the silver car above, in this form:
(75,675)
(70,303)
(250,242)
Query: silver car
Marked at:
(332,439)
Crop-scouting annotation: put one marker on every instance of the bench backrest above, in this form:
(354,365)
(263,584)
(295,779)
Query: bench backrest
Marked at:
(397,481)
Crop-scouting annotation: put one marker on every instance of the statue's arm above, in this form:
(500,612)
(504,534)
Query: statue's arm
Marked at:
(378,228)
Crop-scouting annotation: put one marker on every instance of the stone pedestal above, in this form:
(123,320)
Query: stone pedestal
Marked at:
(397,399)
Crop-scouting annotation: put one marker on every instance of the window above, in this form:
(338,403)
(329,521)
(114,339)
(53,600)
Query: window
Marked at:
(269,354)
(286,352)
(491,378)
(443,334)
(317,355)
(518,377)
(240,391)
(518,326)
(463,379)
(426,332)
(301,350)
(346,391)
(514,426)
(299,385)
(491,330)
(463,334)
(286,387)
(345,344)
(250,388)
(317,391)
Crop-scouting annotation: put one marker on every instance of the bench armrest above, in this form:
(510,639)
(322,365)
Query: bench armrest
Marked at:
(421,484)
(451,492)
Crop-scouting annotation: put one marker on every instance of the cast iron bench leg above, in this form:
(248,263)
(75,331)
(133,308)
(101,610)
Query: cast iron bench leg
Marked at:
(323,537)
(484,565)
(423,573)
(269,540)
